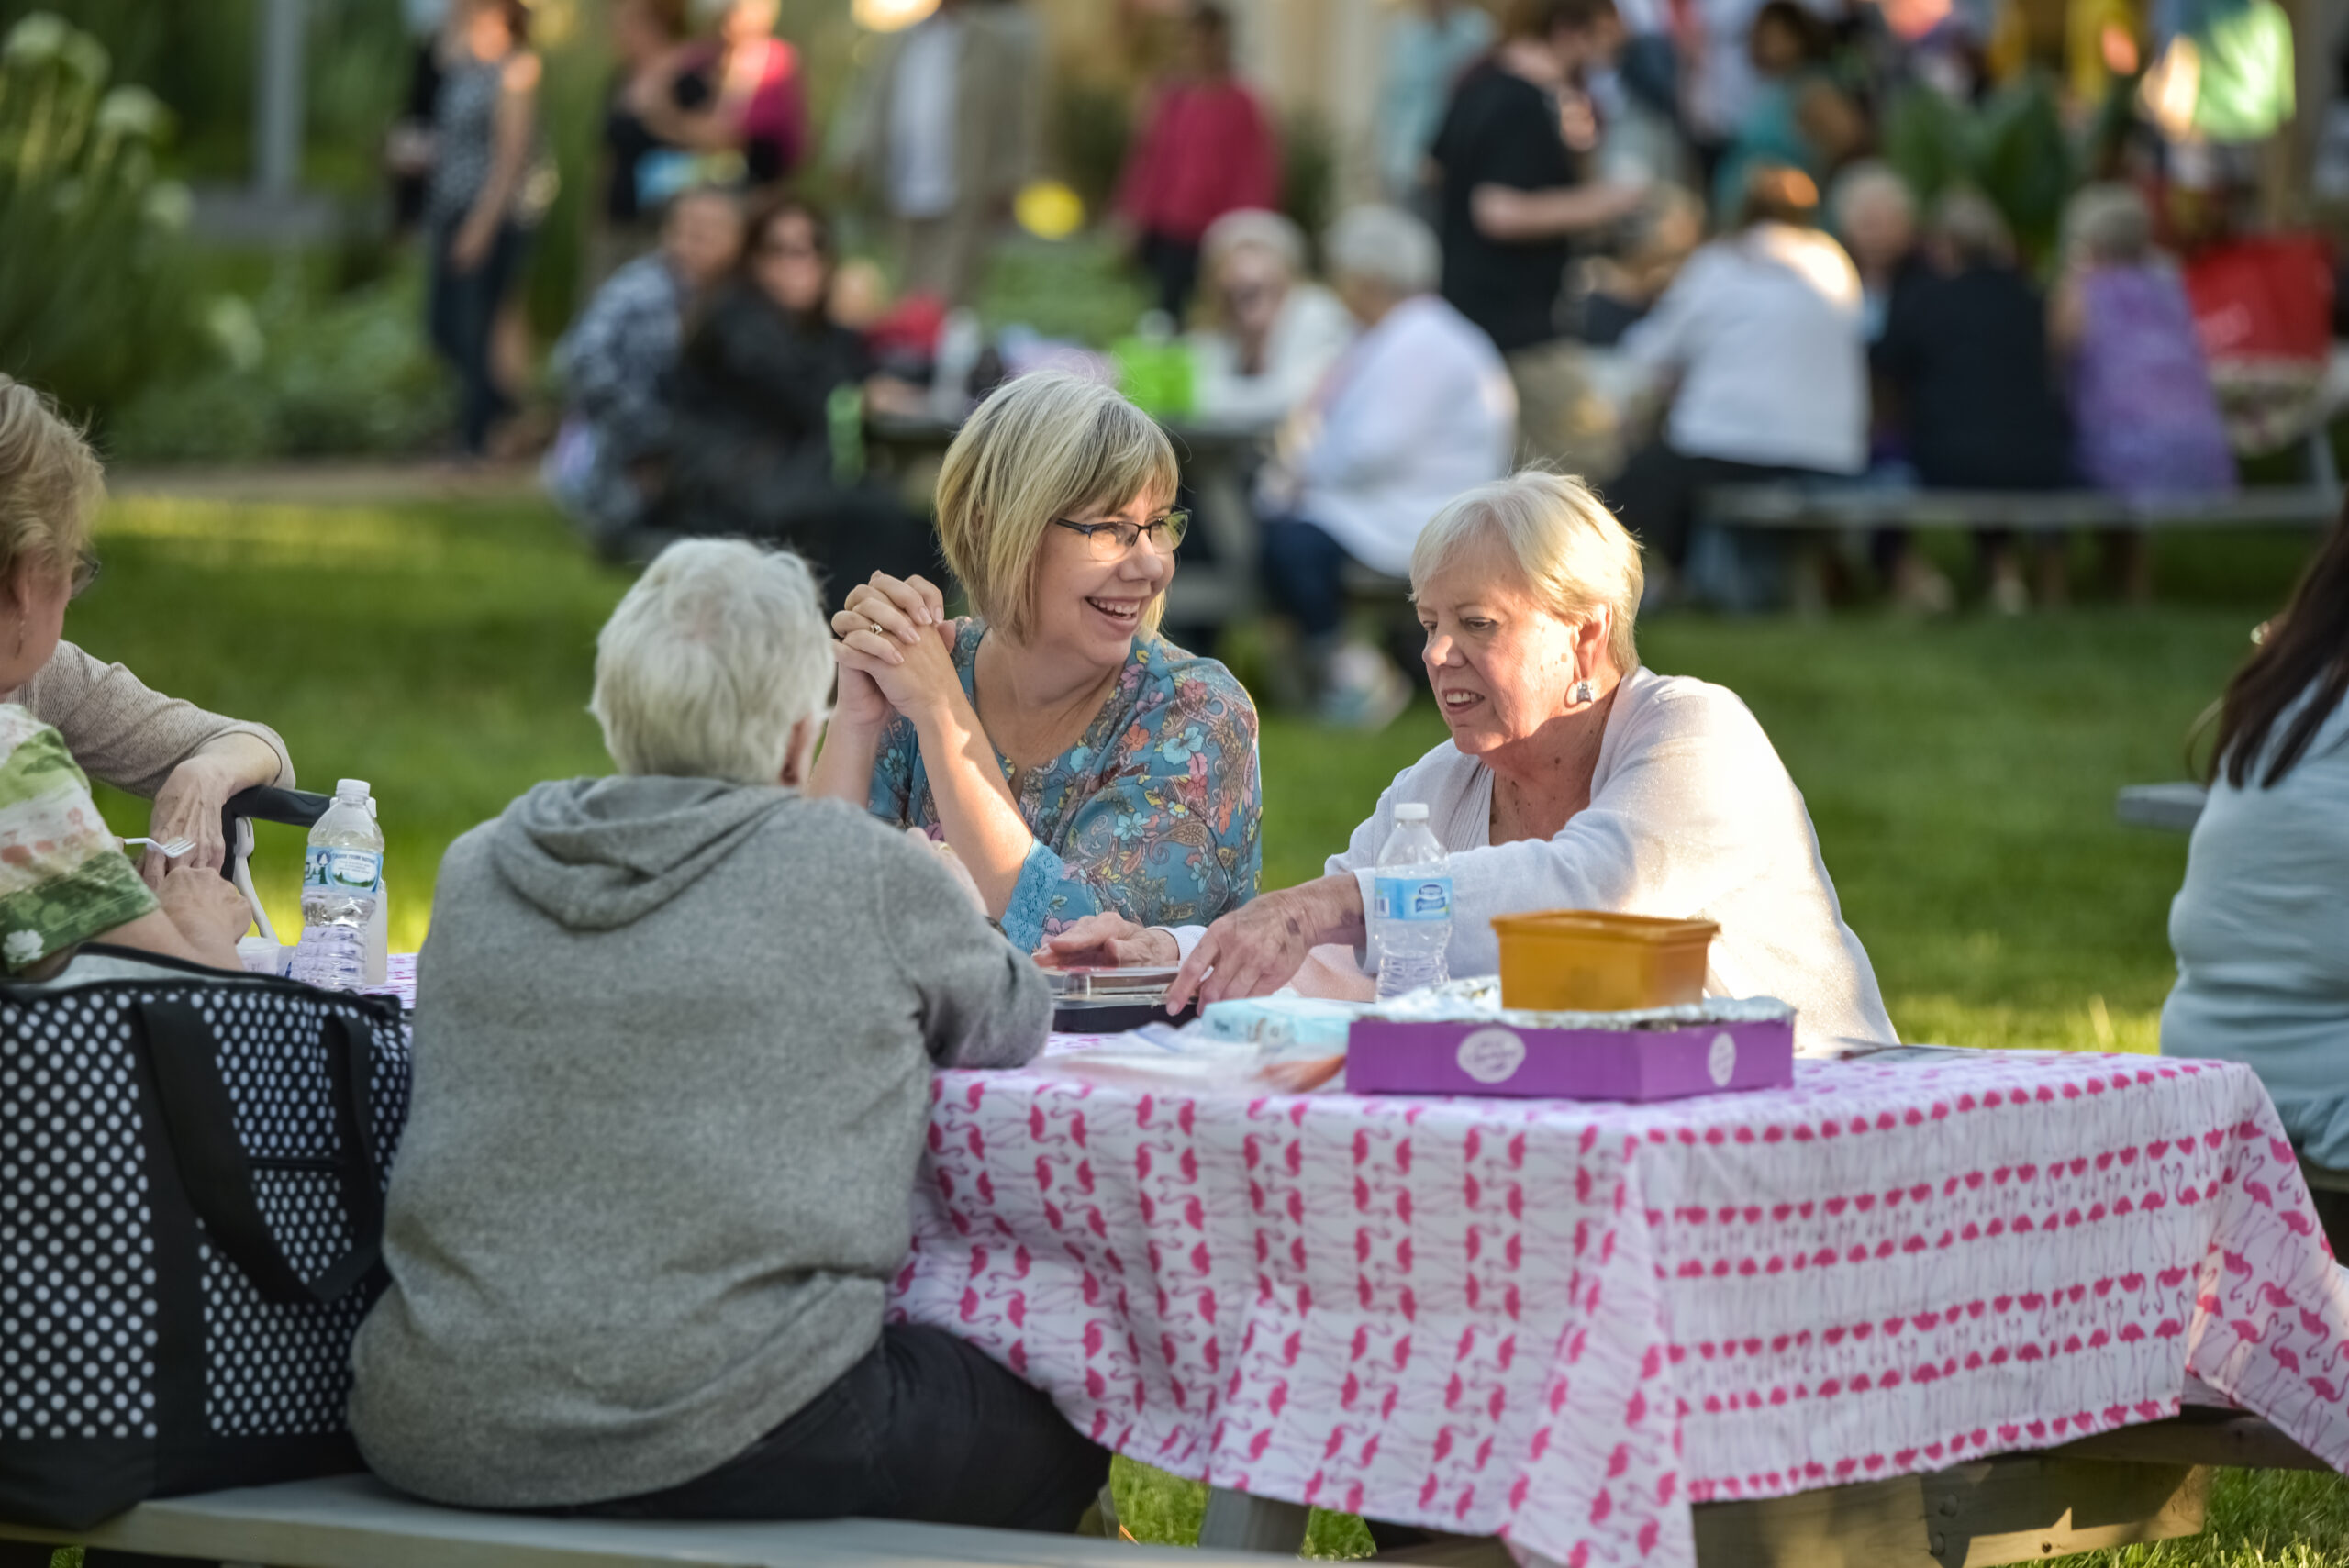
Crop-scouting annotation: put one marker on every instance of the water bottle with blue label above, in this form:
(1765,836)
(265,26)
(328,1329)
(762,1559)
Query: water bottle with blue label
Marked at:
(1410,921)
(342,882)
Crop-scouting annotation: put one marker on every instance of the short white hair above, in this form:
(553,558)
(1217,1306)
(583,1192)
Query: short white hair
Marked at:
(2110,222)
(711,660)
(1572,553)
(1386,246)
(1255,226)
(1870,179)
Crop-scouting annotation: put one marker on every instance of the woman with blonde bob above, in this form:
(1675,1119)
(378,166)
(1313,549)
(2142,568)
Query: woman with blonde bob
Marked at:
(1575,779)
(1071,759)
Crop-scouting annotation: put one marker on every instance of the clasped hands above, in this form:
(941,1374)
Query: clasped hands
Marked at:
(896,651)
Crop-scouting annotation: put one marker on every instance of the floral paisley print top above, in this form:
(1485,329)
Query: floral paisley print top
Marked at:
(1152,814)
(62,877)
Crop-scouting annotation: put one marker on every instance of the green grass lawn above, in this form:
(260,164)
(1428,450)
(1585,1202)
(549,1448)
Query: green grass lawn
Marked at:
(1961,774)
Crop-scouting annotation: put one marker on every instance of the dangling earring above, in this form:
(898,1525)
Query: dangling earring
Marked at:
(1584,693)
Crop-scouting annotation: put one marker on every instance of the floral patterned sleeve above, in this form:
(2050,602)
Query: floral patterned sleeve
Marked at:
(893,773)
(1168,833)
(62,877)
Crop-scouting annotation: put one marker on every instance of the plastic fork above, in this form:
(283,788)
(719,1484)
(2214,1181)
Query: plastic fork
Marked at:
(169,849)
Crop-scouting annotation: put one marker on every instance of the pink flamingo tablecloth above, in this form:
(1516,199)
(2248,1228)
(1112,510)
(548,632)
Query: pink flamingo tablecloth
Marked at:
(1565,1323)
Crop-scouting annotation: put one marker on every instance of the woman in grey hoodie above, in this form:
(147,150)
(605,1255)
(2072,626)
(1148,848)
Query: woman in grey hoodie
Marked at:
(673,1044)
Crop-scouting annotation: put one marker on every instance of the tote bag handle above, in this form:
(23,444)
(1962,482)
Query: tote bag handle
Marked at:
(183,1063)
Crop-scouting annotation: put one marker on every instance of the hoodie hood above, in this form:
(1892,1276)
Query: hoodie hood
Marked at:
(595,854)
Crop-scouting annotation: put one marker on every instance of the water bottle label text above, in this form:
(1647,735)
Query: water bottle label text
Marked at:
(1412,899)
(344,870)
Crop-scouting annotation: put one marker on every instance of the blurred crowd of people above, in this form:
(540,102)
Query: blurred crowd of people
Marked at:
(1669,247)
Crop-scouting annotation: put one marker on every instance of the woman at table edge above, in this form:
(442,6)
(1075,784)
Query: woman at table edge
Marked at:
(63,880)
(1574,778)
(2260,923)
(1073,762)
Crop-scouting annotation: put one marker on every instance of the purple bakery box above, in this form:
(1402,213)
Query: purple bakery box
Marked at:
(1501,1056)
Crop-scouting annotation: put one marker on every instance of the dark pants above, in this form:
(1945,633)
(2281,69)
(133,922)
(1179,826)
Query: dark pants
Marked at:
(1656,494)
(924,1427)
(1175,265)
(462,315)
(1302,566)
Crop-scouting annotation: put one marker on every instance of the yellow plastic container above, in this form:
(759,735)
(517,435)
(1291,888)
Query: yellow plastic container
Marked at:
(1587,960)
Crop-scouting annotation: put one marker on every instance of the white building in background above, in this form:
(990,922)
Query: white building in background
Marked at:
(1323,56)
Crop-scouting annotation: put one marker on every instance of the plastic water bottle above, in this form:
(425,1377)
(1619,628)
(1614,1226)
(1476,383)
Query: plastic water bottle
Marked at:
(342,887)
(1412,919)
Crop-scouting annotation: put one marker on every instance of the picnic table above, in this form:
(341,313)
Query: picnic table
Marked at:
(1926,1308)
(1569,1324)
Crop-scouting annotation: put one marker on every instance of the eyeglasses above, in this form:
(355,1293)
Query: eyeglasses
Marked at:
(1107,541)
(85,572)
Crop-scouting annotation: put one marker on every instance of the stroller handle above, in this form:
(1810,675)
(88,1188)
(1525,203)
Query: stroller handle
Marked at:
(291,808)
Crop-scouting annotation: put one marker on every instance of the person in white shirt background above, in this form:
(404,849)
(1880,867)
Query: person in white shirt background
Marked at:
(1758,343)
(949,134)
(1417,409)
(1574,778)
(1270,332)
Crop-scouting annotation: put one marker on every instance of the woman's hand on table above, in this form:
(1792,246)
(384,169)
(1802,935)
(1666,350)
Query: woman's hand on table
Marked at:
(896,643)
(1108,940)
(1261,945)
(189,803)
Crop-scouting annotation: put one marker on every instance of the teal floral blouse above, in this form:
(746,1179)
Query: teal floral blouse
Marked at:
(1151,815)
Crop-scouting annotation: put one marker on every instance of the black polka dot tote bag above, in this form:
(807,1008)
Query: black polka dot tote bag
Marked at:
(192,1170)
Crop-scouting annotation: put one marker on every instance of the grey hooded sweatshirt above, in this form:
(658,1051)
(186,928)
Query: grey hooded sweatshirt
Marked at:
(673,1042)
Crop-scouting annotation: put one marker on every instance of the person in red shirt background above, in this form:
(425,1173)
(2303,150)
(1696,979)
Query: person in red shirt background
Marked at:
(1205,149)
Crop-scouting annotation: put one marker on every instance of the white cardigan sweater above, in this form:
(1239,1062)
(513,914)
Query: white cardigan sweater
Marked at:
(1692,815)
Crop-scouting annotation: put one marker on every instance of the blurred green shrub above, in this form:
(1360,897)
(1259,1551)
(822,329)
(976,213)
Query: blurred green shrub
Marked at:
(1076,290)
(2011,147)
(1088,124)
(196,58)
(297,374)
(1308,172)
(94,301)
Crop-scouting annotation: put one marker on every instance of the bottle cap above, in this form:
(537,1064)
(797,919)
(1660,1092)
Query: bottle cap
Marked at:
(1411,811)
(350,789)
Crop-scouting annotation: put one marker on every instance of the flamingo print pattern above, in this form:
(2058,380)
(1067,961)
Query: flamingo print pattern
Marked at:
(1565,1323)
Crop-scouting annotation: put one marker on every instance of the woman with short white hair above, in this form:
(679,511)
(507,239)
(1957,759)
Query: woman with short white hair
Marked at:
(1575,779)
(1270,332)
(1053,744)
(673,1042)
(1419,408)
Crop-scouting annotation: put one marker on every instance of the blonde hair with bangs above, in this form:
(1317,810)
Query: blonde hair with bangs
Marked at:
(1576,557)
(1048,445)
(51,482)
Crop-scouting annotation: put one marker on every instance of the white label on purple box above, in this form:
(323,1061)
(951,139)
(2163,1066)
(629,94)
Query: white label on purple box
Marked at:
(1492,1055)
(1721,1061)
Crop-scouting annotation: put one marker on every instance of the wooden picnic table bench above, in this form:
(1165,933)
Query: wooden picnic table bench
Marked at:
(2172,807)
(2135,1484)
(1799,507)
